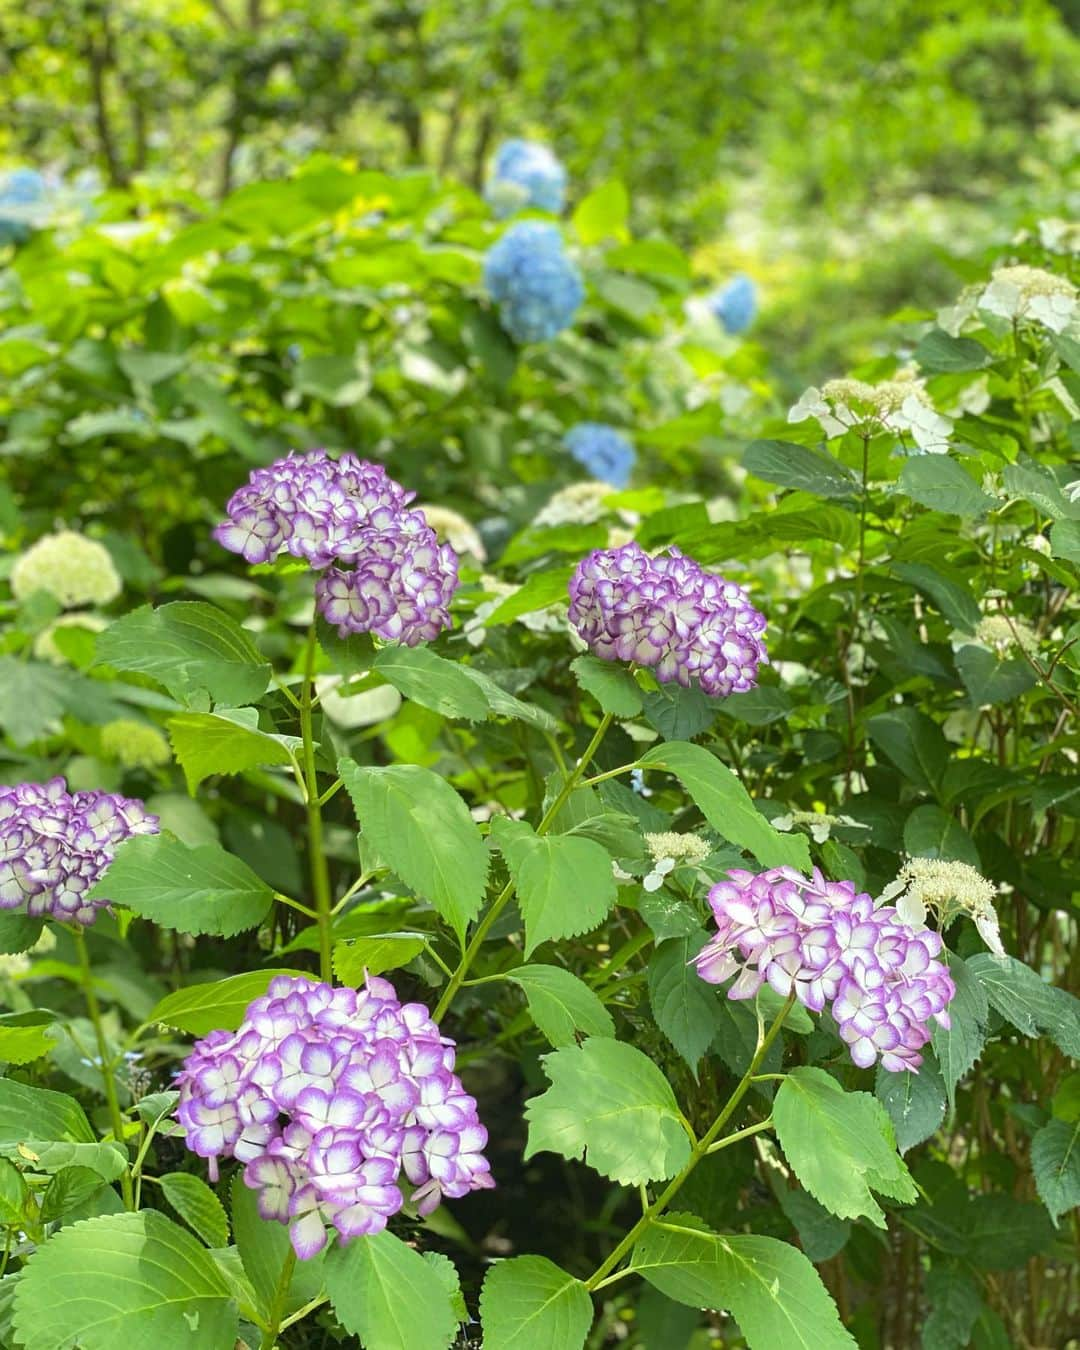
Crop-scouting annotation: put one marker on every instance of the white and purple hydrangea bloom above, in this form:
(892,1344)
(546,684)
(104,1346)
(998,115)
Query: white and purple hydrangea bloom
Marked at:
(827,943)
(667,613)
(327,1096)
(734,305)
(533,281)
(55,846)
(382,567)
(604,452)
(525,173)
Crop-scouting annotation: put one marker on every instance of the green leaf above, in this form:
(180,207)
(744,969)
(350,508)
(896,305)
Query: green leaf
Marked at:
(540,590)
(50,1155)
(1055,1160)
(938,482)
(1037,485)
(954,1304)
(372,955)
(952,598)
(914,743)
(821,1234)
(840,1145)
(227,741)
(562,1006)
(382,1291)
(990,680)
(137,1280)
(915,1102)
(340,381)
(263,1245)
(603,214)
(1000,1231)
(800,466)
(528,1301)
(938,352)
(609,1103)
(37,1113)
(192,890)
(726,804)
(18,932)
(422,830)
(26,1036)
(216,1005)
(14,1193)
(677,713)
(685,1007)
(958,1047)
(1025,999)
(930,832)
(503,704)
(769,1287)
(613,687)
(192,648)
(69,1188)
(432,681)
(198,1206)
(565,884)
(1065,540)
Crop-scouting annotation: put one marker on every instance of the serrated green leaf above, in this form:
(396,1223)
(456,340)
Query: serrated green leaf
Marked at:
(192,648)
(216,1005)
(678,713)
(1055,1161)
(1025,999)
(610,1104)
(914,743)
(26,1036)
(915,1102)
(503,704)
(954,1303)
(565,884)
(69,1188)
(197,1205)
(192,890)
(959,1046)
(433,682)
(562,1005)
(952,598)
(684,1006)
(727,805)
(940,352)
(938,482)
(383,1292)
(18,932)
(613,687)
(840,1145)
(769,1287)
(227,741)
(821,1234)
(930,832)
(989,680)
(137,1280)
(422,830)
(358,957)
(540,590)
(801,467)
(528,1301)
(37,1113)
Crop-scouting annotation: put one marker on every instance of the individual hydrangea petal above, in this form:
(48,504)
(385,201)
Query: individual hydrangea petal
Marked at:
(734,305)
(825,943)
(536,286)
(604,452)
(74,570)
(686,624)
(525,173)
(328,1096)
(55,846)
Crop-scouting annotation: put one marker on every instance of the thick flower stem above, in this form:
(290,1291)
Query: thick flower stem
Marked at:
(277,1308)
(703,1146)
(108,1078)
(499,903)
(320,874)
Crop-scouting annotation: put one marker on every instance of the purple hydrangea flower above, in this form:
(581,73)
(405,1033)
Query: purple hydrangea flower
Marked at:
(603,451)
(525,173)
(55,845)
(327,1096)
(830,945)
(667,613)
(535,285)
(348,513)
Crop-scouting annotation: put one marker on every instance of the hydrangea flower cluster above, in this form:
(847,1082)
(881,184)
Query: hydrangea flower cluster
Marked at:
(74,570)
(668,613)
(828,944)
(326,1096)
(734,305)
(1031,293)
(899,405)
(348,513)
(949,889)
(55,846)
(525,173)
(536,286)
(134,745)
(22,198)
(603,451)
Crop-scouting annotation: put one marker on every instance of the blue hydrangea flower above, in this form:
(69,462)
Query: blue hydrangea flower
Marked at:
(735,304)
(525,173)
(22,193)
(603,451)
(536,286)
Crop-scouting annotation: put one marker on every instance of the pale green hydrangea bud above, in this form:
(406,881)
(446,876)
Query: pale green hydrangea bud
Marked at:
(134,745)
(71,568)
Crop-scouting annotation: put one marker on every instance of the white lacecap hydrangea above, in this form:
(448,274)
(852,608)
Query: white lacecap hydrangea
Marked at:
(817,823)
(452,528)
(900,405)
(578,504)
(669,850)
(948,889)
(1033,294)
(73,569)
(1003,633)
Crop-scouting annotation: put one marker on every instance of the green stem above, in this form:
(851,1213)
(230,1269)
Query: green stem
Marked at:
(277,1308)
(107,1077)
(699,1150)
(499,903)
(320,874)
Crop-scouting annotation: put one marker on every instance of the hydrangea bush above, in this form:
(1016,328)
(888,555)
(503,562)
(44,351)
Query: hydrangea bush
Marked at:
(661,937)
